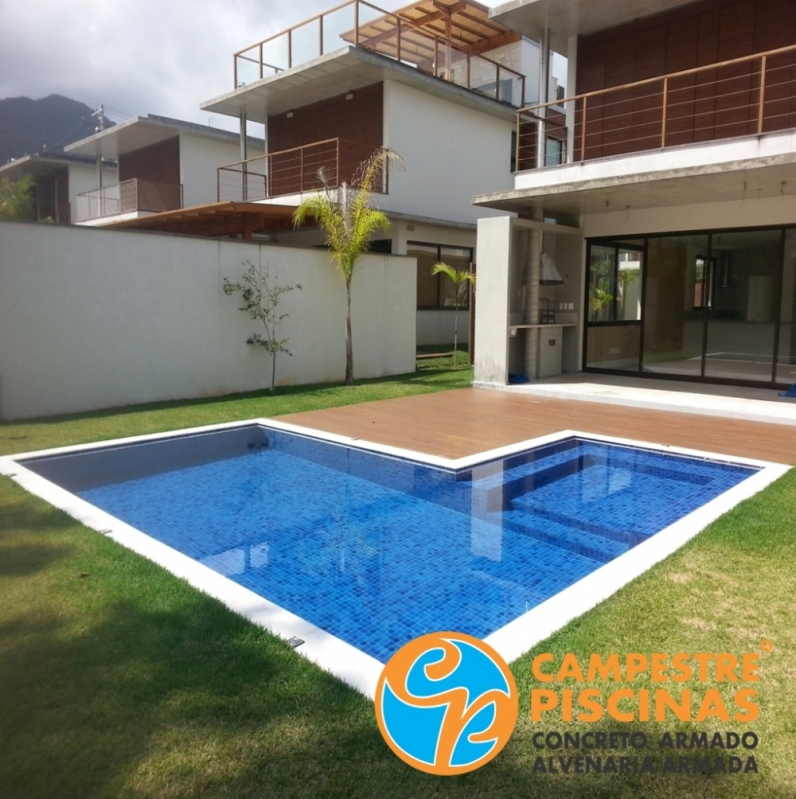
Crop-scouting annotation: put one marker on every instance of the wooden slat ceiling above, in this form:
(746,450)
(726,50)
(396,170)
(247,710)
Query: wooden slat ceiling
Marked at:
(471,30)
(216,220)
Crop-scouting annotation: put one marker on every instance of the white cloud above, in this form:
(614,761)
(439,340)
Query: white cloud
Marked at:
(138,56)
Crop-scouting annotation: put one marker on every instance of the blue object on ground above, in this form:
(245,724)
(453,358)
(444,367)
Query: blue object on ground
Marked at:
(791,392)
(378,550)
(515,380)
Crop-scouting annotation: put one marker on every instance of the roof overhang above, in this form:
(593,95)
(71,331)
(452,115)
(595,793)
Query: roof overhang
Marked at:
(644,180)
(133,134)
(344,70)
(43,164)
(566,18)
(215,220)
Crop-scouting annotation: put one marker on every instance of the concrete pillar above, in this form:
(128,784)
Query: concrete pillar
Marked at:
(572,89)
(493,256)
(532,270)
(544,96)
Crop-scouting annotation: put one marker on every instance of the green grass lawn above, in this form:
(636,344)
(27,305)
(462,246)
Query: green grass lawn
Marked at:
(119,680)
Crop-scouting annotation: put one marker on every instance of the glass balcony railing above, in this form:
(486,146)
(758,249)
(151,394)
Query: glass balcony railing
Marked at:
(127,197)
(362,24)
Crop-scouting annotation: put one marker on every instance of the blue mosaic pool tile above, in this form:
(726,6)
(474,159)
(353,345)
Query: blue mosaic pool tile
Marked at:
(379,550)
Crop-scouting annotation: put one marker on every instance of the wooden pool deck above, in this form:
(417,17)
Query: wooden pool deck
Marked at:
(453,424)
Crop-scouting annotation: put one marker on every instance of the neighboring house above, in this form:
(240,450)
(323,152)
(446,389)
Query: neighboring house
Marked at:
(58,180)
(672,215)
(163,164)
(438,82)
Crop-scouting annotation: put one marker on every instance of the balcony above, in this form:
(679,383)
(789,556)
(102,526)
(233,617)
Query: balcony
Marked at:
(443,38)
(129,196)
(293,171)
(742,97)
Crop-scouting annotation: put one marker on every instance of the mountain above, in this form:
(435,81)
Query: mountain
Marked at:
(33,126)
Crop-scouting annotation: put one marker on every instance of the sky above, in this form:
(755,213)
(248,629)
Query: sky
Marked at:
(140,56)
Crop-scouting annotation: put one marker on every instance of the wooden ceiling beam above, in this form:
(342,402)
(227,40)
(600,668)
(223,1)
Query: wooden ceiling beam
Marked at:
(486,22)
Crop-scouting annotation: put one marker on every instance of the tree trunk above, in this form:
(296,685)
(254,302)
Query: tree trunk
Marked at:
(273,371)
(456,329)
(349,350)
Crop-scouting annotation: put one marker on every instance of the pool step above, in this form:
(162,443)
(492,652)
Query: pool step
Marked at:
(535,526)
(501,497)
(531,506)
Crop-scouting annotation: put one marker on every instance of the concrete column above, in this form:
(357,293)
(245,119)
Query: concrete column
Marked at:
(572,90)
(244,155)
(494,256)
(544,96)
(532,274)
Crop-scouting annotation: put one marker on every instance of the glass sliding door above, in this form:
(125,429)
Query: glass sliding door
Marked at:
(786,349)
(743,306)
(718,306)
(613,338)
(676,298)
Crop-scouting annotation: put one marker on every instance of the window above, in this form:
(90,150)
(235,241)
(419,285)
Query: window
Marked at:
(702,271)
(436,292)
(615,282)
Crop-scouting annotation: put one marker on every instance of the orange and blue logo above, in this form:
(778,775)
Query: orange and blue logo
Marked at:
(446,703)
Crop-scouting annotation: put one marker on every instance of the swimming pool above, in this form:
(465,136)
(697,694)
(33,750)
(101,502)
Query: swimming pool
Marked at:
(373,548)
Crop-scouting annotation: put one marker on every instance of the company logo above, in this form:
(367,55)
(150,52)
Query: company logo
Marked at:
(446,703)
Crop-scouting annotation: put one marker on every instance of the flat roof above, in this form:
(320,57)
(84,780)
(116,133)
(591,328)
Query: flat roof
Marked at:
(43,164)
(336,73)
(138,132)
(566,18)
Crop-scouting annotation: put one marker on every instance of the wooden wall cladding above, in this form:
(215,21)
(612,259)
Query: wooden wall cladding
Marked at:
(713,104)
(358,122)
(159,163)
(52,196)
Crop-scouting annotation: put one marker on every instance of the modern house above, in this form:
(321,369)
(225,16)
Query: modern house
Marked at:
(668,205)
(58,179)
(439,82)
(162,164)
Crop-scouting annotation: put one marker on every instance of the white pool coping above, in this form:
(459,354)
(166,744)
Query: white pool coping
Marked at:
(356,668)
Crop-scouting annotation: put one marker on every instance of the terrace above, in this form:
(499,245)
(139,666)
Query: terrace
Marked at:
(747,96)
(443,38)
(293,171)
(128,197)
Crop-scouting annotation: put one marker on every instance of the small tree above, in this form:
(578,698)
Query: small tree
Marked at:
(16,198)
(260,298)
(345,215)
(460,280)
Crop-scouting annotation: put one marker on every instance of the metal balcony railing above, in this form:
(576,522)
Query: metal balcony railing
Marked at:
(293,171)
(401,40)
(127,197)
(741,97)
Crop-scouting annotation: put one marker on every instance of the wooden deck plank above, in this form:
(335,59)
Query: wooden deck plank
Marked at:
(453,424)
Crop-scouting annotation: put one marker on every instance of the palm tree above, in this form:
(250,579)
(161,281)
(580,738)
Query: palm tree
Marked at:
(460,279)
(16,200)
(345,215)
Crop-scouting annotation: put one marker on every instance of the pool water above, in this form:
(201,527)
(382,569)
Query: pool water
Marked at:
(378,550)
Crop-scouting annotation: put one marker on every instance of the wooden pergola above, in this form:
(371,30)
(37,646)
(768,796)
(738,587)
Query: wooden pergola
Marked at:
(216,220)
(464,24)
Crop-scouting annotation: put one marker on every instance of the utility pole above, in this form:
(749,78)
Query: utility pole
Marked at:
(100,114)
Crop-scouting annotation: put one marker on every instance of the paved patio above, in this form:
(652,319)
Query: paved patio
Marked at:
(454,424)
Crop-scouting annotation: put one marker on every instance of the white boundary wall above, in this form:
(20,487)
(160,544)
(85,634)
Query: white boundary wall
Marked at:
(94,319)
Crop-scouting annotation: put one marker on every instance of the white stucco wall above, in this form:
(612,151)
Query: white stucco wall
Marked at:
(83,179)
(704,216)
(451,153)
(94,319)
(200,157)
